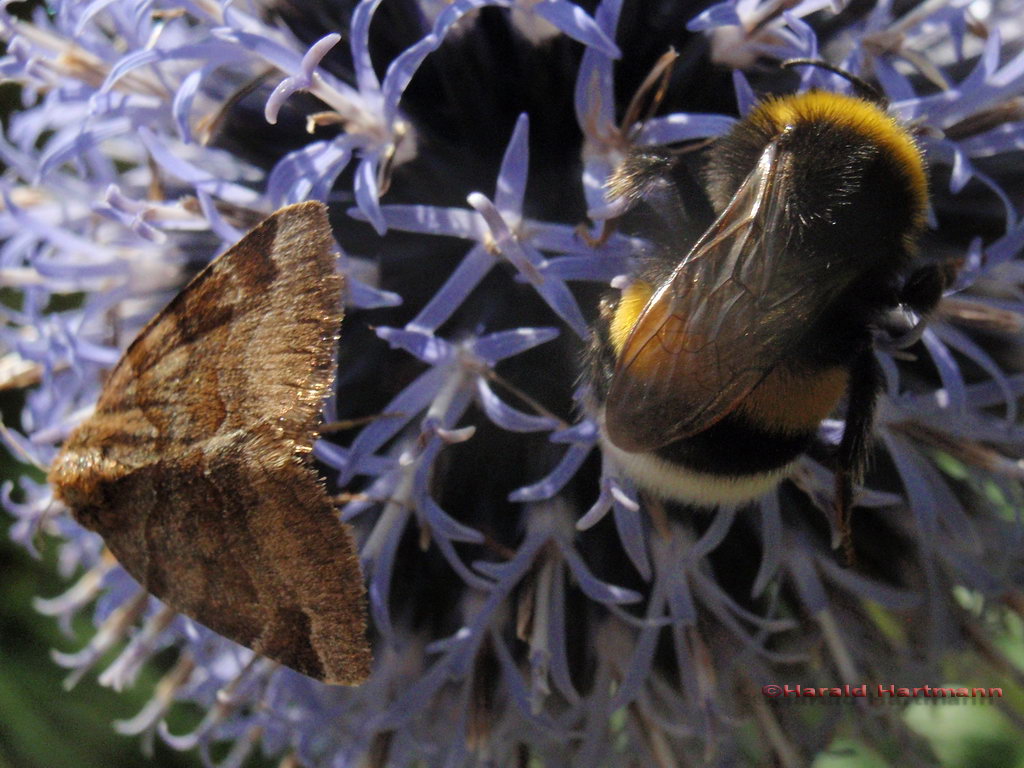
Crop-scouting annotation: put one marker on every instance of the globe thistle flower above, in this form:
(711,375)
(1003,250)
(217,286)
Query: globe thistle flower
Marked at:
(529,605)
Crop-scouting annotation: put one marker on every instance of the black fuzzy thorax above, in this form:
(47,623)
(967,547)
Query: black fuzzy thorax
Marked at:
(850,214)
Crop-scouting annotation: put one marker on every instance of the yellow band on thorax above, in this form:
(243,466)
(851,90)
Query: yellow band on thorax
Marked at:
(776,114)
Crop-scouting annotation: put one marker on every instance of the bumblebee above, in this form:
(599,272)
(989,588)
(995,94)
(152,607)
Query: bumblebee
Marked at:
(713,369)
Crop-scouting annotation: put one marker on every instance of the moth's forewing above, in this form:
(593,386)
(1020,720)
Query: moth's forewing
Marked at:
(194,467)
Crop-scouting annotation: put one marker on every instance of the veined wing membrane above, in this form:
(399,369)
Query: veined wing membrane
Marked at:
(732,309)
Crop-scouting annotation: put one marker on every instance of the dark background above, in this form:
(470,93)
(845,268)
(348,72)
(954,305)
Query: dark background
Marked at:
(42,725)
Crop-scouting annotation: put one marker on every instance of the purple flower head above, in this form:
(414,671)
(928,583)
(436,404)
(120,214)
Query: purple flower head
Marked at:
(529,604)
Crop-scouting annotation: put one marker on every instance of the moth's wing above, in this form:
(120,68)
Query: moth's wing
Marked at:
(193,467)
(252,336)
(241,536)
(728,314)
(311,587)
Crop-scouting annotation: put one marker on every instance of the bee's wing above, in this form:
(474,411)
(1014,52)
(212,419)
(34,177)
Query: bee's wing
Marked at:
(729,313)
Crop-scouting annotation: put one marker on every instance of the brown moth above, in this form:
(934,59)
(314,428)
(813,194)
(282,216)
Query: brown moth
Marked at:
(195,466)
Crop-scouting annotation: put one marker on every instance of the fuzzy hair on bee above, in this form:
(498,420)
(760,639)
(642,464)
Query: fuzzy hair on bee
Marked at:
(713,368)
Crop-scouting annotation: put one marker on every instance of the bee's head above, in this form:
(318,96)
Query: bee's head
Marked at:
(846,168)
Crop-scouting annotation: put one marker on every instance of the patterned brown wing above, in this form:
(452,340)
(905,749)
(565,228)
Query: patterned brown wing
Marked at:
(250,337)
(242,537)
(194,466)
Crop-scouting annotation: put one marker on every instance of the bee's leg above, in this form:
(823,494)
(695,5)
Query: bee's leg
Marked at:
(865,382)
(660,195)
(923,289)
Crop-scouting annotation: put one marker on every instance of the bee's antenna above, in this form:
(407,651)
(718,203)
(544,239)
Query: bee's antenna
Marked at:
(862,87)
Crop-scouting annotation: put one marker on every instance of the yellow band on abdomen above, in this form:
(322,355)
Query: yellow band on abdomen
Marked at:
(790,402)
(627,312)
